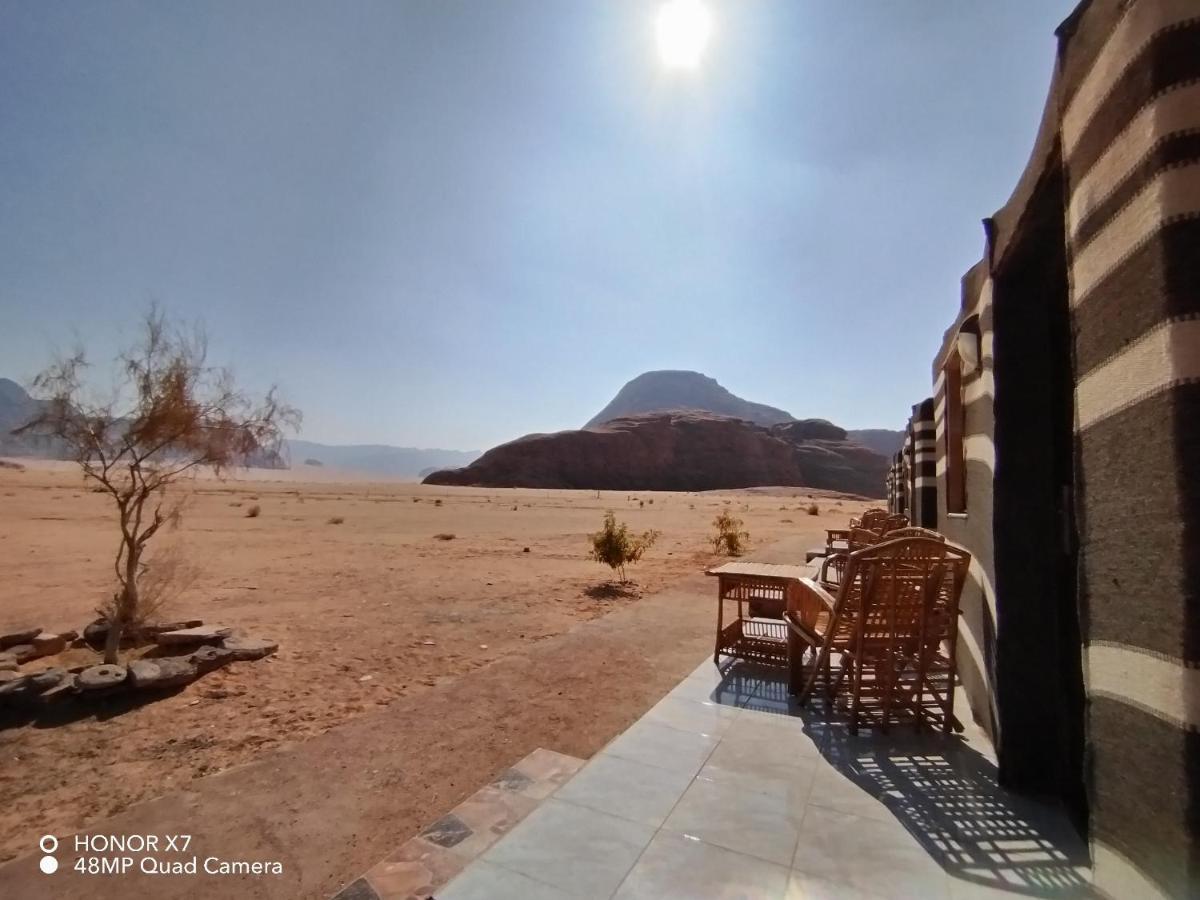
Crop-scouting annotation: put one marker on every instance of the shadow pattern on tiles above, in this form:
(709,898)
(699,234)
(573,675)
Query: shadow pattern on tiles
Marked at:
(945,793)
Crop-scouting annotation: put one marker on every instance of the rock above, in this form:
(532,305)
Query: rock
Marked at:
(8,662)
(247,648)
(200,634)
(673,390)
(95,634)
(23,653)
(168,672)
(44,681)
(97,678)
(157,628)
(70,635)
(48,644)
(8,677)
(679,451)
(60,691)
(21,636)
(209,658)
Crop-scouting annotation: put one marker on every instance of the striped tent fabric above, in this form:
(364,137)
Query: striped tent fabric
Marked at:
(1130,134)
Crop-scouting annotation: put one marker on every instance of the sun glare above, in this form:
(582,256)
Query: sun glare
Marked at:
(684,28)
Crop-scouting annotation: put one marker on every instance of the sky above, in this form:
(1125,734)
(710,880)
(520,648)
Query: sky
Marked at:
(440,223)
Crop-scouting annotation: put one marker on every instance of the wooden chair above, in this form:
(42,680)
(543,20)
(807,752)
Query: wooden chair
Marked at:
(843,540)
(914,531)
(894,523)
(893,625)
(871,518)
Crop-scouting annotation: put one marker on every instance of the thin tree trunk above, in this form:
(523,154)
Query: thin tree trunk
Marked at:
(125,613)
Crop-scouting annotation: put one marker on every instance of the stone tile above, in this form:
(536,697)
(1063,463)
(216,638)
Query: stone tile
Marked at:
(781,739)
(478,821)
(625,788)
(575,849)
(808,887)
(765,826)
(545,771)
(868,856)
(655,744)
(414,871)
(676,867)
(686,714)
(791,784)
(360,889)
(832,789)
(484,881)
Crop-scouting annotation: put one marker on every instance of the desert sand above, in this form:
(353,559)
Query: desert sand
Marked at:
(411,669)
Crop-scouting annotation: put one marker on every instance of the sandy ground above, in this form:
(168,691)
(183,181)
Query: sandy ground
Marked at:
(410,671)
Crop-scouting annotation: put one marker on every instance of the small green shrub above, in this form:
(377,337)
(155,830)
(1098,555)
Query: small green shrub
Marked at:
(730,539)
(614,546)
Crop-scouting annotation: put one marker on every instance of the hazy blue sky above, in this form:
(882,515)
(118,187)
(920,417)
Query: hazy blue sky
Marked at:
(444,223)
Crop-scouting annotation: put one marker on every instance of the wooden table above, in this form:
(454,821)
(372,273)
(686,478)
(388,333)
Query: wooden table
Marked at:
(758,633)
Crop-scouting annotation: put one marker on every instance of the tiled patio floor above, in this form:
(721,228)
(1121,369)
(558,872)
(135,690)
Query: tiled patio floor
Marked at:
(726,790)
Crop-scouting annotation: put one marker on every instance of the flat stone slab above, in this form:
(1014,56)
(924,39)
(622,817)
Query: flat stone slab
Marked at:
(155,674)
(201,634)
(247,648)
(98,678)
(23,653)
(48,644)
(20,636)
(207,659)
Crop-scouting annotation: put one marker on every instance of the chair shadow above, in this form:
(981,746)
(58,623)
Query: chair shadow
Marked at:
(943,791)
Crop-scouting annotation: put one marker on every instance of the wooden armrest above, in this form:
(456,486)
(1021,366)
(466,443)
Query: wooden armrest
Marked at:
(806,600)
(825,565)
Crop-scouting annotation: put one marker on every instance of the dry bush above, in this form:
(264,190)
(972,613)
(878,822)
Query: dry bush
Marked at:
(336,520)
(614,546)
(444,536)
(254,512)
(730,539)
(437,502)
(164,577)
(813,509)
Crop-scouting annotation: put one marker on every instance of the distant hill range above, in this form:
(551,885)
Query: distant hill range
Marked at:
(680,451)
(17,408)
(673,390)
(378,459)
(676,430)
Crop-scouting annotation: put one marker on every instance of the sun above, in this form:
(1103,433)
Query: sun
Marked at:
(684,28)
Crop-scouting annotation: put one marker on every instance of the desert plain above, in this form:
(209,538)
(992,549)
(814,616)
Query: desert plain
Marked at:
(429,637)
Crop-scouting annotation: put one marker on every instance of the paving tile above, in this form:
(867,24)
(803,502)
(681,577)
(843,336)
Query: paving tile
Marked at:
(622,787)
(573,848)
(676,867)
(765,826)
(733,692)
(483,881)
(867,855)
(791,784)
(359,889)
(540,773)
(780,738)
(802,886)
(655,744)
(477,822)
(414,871)
(686,714)
(835,790)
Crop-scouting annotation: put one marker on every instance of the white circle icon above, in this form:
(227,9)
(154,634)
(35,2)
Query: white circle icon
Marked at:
(48,843)
(49,865)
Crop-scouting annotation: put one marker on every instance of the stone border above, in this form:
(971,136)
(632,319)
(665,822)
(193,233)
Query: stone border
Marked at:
(423,864)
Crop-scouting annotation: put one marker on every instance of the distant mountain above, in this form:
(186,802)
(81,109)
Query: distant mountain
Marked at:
(379,459)
(680,451)
(17,408)
(879,439)
(674,390)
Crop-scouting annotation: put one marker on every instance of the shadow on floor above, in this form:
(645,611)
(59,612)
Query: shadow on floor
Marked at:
(944,791)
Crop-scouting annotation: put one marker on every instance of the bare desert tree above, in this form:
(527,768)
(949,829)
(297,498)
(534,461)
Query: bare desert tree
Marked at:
(168,415)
